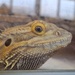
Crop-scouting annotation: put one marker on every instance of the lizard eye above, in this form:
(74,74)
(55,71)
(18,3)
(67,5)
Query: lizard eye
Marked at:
(38,28)
(8,42)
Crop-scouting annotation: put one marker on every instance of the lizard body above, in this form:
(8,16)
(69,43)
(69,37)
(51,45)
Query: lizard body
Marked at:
(29,46)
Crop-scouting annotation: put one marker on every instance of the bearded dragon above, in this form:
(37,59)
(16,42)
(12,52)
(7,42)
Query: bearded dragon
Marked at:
(27,47)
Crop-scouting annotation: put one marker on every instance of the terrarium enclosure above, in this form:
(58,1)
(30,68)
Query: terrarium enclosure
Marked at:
(60,12)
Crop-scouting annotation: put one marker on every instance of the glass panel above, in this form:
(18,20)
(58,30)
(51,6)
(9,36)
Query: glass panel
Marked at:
(67,9)
(4,6)
(24,6)
(7,2)
(49,8)
(35,42)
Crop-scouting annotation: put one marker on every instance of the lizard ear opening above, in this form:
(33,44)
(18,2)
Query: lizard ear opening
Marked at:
(8,42)
(38,28)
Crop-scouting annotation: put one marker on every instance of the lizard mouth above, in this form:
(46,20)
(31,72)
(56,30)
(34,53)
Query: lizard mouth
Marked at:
(53,43)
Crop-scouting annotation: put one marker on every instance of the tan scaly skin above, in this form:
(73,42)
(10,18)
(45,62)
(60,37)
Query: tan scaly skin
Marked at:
(27,47)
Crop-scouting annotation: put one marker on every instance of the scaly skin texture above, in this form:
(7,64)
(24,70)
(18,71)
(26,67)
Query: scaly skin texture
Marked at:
(29,46)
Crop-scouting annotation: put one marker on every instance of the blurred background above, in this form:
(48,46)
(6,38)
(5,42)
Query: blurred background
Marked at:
(59,12)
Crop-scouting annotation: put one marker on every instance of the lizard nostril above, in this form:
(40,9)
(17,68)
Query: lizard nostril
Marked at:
(58,33)
(8,42)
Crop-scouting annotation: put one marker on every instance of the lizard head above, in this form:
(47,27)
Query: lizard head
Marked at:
(36,40)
